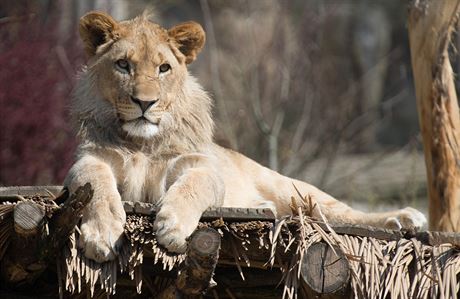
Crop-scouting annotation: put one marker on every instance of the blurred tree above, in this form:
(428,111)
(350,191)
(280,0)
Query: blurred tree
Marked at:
(370,50)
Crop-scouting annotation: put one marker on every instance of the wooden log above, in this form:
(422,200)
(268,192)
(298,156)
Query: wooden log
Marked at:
(325,271)
(230,214)
(430,26)
(28,218)
(30,191)
(30,250)
(245,214)
(196,274)
(199,265)
(438,238)
(20,260)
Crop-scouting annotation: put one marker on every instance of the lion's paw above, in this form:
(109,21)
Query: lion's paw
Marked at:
(172,231)
(407,218)
(101,240)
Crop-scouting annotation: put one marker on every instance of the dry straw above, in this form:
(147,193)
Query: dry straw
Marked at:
(379,268)
(406,268)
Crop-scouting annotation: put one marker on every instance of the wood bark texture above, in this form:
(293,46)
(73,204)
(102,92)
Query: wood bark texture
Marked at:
(200,263)
(196,274)
(431,23)
(28,218)
(326,272)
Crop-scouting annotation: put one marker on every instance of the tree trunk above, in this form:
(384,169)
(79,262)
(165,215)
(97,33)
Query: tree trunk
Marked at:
(431,23)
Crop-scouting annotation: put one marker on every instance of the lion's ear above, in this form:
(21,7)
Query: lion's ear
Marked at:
(96,28)
(190,38)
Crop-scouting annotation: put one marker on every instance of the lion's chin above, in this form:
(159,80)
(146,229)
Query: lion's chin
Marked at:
(141,128)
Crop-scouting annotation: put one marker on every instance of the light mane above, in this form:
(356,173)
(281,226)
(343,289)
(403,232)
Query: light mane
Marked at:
(98,125)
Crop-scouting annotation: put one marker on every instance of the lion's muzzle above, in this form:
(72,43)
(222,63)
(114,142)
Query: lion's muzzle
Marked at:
(143,104)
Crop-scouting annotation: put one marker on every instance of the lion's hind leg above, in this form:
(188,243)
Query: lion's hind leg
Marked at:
(407,218)
(336,211)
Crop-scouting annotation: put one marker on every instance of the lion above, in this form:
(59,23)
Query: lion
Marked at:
(146,134)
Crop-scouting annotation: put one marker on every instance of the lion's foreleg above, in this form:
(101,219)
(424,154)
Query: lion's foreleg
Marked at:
(104,217)
(195,190)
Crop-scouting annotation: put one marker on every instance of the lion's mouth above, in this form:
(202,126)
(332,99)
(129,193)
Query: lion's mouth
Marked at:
(142,120)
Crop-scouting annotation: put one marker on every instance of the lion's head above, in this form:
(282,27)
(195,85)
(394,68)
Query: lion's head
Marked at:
(136,85)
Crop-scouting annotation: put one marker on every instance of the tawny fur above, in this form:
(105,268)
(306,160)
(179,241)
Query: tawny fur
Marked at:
(169,157)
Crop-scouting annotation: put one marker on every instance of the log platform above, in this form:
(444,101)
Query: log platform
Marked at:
(234,253)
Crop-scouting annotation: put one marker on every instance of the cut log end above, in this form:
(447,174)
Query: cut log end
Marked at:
(325,270)
(204,242)
(28,218)
(200,263)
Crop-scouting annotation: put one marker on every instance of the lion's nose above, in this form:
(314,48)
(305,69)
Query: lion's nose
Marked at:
(145,105)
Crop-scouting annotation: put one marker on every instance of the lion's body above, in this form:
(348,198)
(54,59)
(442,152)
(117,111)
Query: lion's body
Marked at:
(146,131)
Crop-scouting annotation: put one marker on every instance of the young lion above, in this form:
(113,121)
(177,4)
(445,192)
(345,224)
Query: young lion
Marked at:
(147,135)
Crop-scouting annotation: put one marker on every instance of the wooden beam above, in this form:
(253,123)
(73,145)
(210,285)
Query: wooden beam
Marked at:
(229,214)
(30,190)
(244,214)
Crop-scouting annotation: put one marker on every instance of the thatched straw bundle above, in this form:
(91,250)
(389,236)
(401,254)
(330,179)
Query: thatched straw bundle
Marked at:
(399,267)
(404,268)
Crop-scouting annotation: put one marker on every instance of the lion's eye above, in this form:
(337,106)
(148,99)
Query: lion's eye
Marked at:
(123,64)
(164,68)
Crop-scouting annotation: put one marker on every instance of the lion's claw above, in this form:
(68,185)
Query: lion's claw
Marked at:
(407,218)
(101,241)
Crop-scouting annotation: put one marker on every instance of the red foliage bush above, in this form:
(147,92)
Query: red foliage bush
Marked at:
(36,141)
